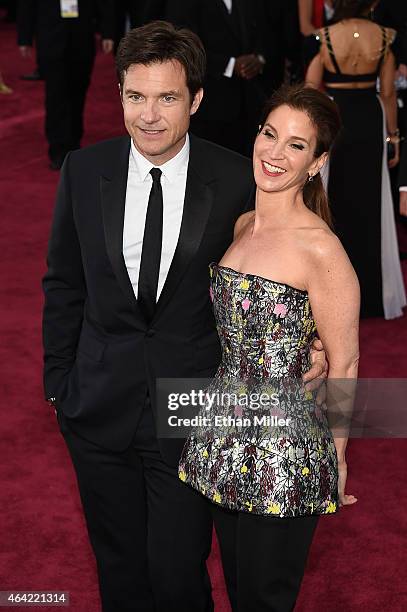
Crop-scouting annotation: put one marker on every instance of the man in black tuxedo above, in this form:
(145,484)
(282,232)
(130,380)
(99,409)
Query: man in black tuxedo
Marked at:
(137,221)
(282,43)
(232,32)
(65,43)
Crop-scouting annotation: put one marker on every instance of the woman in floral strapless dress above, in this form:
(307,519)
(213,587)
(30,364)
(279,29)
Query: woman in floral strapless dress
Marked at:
(284,279)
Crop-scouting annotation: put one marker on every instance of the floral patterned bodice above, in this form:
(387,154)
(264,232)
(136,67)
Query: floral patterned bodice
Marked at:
(266,329)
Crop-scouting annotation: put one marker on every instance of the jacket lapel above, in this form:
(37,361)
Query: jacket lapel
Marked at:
(113,184)
(243,19)
(227,17)
(197,207)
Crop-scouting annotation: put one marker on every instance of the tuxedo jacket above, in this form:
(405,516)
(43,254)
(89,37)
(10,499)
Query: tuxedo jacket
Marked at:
(282,41)
(55,35)
(225,36)
(101,357)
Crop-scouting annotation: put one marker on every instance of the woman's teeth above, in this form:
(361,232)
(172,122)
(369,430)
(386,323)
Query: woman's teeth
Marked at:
(273,169)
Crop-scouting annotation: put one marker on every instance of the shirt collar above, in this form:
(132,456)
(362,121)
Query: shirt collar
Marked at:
(170,169)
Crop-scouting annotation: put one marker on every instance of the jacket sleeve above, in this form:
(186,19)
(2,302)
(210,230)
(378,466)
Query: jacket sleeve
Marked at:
(261,29)
(64,291)
(26,22)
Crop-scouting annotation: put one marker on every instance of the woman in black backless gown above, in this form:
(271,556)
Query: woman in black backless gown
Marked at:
(353,54)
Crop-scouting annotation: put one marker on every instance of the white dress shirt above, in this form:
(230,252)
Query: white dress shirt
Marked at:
(139,182)
(231,63)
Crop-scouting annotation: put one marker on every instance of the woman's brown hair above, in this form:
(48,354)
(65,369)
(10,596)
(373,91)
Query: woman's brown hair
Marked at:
(324,114)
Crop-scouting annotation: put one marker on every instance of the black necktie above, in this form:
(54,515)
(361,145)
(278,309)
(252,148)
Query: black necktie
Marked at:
(151,251)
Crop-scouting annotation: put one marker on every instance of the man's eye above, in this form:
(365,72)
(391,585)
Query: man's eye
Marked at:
(135,97)
(169,98)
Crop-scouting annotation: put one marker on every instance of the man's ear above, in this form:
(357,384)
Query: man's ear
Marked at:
(196,101)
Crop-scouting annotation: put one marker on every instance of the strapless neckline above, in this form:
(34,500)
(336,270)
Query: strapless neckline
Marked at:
(248,274)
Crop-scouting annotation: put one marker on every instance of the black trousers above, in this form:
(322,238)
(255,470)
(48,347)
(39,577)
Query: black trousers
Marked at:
(150,533)
(263,558)
(67,80)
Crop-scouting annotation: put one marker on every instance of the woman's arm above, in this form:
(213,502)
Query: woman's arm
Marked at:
(315,71)
(389,98)
(334,295)
(305,17)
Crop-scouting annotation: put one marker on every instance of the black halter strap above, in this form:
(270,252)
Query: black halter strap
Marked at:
(331,51)
(383,48)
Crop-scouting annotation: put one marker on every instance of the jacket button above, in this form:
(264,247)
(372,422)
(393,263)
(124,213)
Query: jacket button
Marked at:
(150,333)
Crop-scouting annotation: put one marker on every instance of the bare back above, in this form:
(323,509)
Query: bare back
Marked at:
(355,47)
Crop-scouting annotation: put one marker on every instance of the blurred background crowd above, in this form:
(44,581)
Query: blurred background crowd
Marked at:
(356,50)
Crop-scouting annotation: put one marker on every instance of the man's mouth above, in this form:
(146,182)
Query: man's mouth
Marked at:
(151,132)
(271,169)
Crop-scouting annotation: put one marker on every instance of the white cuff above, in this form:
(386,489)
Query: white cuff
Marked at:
(230,68)
(403,188)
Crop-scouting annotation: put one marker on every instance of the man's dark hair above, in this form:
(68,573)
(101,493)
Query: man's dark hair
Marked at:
(160,41)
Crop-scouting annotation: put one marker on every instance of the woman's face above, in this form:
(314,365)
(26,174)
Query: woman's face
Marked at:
(284,150)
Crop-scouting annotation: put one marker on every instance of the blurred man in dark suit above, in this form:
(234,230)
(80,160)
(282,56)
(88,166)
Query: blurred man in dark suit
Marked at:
(232,32)
(136,13)
(283,43)
(125,14)
(65,40)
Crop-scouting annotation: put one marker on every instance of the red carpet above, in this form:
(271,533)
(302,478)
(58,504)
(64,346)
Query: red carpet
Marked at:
(358,560)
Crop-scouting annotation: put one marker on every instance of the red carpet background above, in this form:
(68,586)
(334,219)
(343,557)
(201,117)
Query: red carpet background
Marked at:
(358,560)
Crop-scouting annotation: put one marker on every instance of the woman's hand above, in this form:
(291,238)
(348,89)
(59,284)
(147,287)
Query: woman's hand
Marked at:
(395,140)
(344,500)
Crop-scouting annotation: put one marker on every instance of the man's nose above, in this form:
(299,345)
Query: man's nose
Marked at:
(150,113)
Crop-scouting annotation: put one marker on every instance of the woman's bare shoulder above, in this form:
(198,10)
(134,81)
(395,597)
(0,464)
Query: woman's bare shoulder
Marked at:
(323,243)
(242,221)
(327,257)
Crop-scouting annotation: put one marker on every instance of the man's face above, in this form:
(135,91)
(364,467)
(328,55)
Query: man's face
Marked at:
(157,108)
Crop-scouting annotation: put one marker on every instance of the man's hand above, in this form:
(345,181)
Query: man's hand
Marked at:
(403,203)
(107,45)
(25,50)
(316,376)
(248,66)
